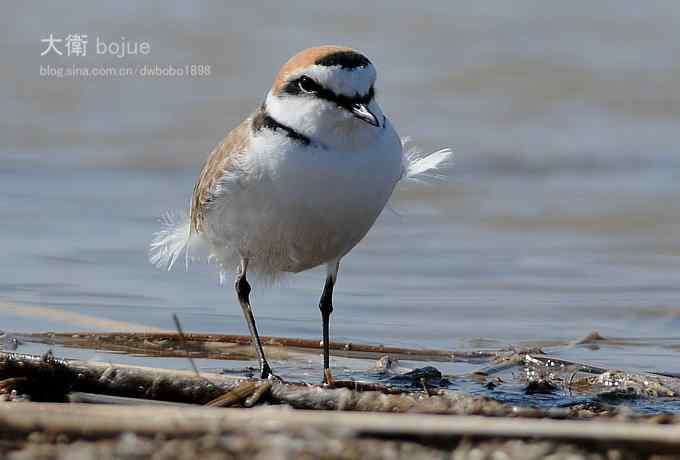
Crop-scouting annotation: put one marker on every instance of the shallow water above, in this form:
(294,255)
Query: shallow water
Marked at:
(560,215)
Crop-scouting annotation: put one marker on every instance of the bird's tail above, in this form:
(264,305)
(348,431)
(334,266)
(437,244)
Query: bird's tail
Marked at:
(419,166)
(171,240)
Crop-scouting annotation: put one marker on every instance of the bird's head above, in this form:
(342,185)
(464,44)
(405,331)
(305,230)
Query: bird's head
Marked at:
(327,93)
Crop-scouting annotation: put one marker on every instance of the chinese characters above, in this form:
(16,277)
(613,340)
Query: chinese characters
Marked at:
(76,45)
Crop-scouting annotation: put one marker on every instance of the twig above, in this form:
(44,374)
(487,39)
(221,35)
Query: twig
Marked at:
(238,346)
(235,395)
(182,340)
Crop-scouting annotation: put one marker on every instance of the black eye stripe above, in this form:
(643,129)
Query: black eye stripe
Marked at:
(294,88)
(308,85)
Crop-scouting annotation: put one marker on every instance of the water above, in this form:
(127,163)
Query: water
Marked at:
(560,216)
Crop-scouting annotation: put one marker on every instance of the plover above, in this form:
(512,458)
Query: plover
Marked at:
(298,183)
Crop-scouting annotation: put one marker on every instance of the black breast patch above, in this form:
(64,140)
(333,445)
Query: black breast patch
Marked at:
(263,120)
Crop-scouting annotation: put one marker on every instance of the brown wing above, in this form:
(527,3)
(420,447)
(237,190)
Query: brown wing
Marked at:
(218,162)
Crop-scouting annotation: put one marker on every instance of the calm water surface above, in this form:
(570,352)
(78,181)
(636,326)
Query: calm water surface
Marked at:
(560,215)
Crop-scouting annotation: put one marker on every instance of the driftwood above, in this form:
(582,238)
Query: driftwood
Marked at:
(539,374)
(335,418)
(50,379)
(46,378)
(385,413)
(237,347)
(99,421)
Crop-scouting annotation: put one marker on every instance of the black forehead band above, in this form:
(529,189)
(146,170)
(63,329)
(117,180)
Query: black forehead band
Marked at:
(344,59)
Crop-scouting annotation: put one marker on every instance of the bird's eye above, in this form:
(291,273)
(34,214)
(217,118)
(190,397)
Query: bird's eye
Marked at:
(308,85)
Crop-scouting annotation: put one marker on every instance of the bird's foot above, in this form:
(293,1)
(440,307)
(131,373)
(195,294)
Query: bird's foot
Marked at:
(267,374)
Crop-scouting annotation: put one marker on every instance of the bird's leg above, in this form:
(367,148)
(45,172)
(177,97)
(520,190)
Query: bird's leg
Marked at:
(243,294)
(326,307)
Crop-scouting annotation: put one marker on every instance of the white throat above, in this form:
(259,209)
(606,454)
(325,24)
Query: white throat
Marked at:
(324,122)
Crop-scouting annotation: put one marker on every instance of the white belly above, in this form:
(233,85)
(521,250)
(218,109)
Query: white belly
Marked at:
(294,208)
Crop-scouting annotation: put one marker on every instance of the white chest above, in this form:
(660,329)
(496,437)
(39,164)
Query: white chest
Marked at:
(296,207)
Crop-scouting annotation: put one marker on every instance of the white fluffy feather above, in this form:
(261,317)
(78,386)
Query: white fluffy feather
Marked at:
(171,240)
(419,166)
